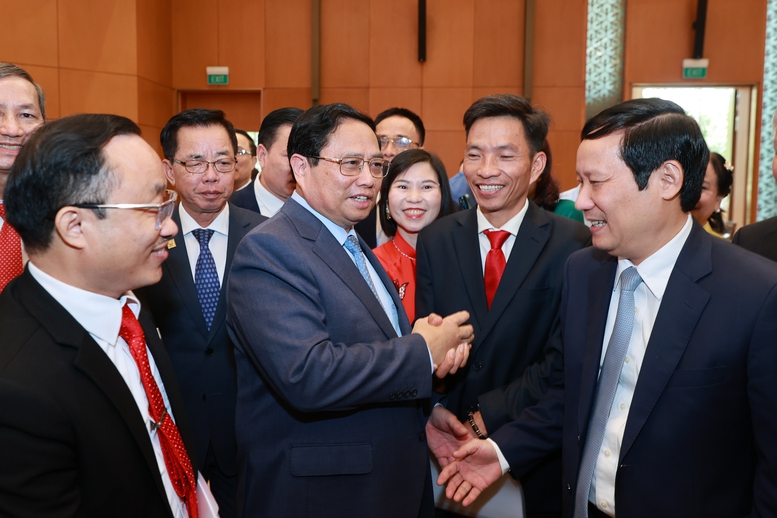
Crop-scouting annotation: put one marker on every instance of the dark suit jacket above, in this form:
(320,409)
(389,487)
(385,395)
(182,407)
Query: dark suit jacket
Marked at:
(330,409)
(245,198)
(760,238)
(73,441)
(203,360)
(699,439)
(367,228)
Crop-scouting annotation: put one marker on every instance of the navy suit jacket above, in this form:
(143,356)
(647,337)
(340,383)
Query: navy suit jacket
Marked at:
(73,442)
(700,436)
(331,403)
(760,238)
(203,359)
(245,198)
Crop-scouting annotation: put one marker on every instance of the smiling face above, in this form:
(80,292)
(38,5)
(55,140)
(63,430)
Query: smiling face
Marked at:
(414,199)
(710,200)
(202,195)
(499,167)
(126,250)
(20,116)
(344,200)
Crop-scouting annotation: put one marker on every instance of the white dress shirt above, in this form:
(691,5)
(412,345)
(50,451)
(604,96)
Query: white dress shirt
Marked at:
(655,272)
(217,244)
(101,317)
(269,204)
(512,226)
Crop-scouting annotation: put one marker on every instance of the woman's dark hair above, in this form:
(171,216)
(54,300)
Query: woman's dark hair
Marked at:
(401,163)
(725,177)
(546,189)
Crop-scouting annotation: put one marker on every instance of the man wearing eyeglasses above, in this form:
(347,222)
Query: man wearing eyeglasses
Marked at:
(189,303)
(92,422)
(333,383)
(246,159)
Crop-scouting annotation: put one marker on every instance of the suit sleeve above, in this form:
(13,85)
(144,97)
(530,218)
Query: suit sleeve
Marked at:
(318,350)
(38,472)
(424,293)
(762,366)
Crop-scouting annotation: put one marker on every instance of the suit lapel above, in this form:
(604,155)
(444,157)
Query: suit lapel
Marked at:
(681,307)
(467,248)
(92,361)
(529,243)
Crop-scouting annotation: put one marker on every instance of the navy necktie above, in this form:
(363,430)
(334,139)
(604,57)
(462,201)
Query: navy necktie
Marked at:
(605,389)
(206,277)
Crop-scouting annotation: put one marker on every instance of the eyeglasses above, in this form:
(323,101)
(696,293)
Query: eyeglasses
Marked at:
(222,165)
(352,165)
(401,143)
(163,210)
(241,152)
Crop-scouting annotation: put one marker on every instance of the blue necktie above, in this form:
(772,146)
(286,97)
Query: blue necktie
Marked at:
(605,390)
(352,245)
(206,277)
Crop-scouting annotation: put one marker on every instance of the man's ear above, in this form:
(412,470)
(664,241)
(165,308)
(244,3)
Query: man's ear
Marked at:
(537,166)
(670,178)
(168,167)
(261,155)
(299,165)
(69,224)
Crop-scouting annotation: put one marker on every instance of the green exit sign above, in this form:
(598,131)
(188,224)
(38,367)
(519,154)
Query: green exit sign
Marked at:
(217,75)
(695,68)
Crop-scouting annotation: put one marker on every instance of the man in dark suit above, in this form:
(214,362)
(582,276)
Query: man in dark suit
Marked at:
(516,354)
(91,419)
(190,307)
(267,192)
(670,344)
(761,237)
(333,383)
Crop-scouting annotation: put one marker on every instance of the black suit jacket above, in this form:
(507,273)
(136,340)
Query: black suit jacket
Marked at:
(204,361)
(699,439)
(73,442)
(245,198)
(760,238)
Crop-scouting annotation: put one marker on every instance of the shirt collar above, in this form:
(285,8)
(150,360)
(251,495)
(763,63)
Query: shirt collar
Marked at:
(336,230)
(98,314)
(219,225)
(266,198)
(656,269)
(512,226)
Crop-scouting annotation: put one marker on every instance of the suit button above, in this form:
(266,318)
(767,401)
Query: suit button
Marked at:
(569,487)
(422,437)
(408,393)
(209,351)
(392,397)
(413,393)
(477,366)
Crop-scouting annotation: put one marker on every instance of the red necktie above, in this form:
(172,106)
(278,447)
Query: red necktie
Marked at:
(495,262)
(179,467)
(10,252)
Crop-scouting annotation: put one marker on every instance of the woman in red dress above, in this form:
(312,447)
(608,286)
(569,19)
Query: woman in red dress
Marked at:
(414,193)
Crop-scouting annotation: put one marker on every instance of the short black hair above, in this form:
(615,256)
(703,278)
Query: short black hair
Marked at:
(251,145)
(197,117)
(62,164)
(273,121)
(655,131)
(725,178)
(311,131)
(11,70)
(535,121)
(401,163)
(411,116)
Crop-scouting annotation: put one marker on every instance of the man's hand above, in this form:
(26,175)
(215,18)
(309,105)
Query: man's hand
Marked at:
(445,434)
(476,468)
(443,337)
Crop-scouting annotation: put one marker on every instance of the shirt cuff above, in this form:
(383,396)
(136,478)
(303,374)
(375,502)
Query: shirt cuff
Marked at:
(502,461)
(431,360)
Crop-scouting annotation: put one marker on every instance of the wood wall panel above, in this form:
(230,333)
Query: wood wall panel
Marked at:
(274,98)
(48,79)
(345,44)
(563,145)
(287,61)
(195,37)
(559,42)
(444,107)
(151,135)
(498,43)
(385,98)
(241,41)
(99,36)
(394,44)
(98,92)
(449,146)
(243,109)
(156,103)
(155,41)
(29,35)
(450,43)
(359,98)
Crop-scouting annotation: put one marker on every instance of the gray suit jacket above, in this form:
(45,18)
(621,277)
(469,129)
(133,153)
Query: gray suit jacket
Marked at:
(331,403)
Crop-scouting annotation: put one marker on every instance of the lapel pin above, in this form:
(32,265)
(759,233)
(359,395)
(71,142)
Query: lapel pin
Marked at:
(171,244)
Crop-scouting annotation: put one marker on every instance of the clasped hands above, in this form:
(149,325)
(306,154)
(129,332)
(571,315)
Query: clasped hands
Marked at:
(469,464)
(449,340)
